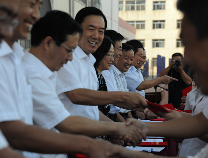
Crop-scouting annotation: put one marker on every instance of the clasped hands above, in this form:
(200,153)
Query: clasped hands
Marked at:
(131,132)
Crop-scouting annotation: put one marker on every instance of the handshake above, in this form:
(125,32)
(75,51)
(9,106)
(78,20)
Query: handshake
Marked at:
(131,132)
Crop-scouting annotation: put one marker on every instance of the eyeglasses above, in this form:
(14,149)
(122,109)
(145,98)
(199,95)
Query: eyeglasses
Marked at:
(111,56)
(141,56)
(70,51)
(5,22)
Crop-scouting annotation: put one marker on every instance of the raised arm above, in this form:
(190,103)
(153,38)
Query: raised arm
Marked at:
(186,78)
(151,83)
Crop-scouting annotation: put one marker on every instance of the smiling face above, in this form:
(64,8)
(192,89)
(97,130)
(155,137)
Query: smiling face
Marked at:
(125,61)
(8,12)
(196,52)
(59,56)
(117,52)
(107,60)
(138,58)
(28,15)
(93,33)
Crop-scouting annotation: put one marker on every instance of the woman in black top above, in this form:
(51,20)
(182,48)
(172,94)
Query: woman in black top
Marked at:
(104,57)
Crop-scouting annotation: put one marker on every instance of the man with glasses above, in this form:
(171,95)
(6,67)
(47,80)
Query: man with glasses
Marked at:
(8,12)
(134,77)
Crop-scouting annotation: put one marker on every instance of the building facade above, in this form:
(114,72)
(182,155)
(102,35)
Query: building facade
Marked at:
(157,24)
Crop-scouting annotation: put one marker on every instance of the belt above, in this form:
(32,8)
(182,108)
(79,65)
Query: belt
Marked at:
(123,114)
(112,116)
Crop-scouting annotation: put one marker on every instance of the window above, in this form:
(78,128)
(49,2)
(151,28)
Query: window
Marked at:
(25,43)
(179,43)
(137,24)
(135,5)
(154,62)
(159,24)
(158,43)
(143,42)
(120,5)
(83,1)
(159,5)
(178,24)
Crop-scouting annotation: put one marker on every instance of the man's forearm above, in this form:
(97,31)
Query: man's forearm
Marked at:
(148,84)
(92,97)
(165,71)
(186,78)
(125,100)
(34,139)
(85,126)
(179,128)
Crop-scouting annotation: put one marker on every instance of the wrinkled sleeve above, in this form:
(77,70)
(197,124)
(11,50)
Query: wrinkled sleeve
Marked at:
(48,109)
(132,81)
(67,79)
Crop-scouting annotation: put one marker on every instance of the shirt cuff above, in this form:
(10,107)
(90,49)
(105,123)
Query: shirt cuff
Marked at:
(70,88)
(58,119)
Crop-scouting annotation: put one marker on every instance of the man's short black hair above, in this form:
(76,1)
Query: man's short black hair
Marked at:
(84,12)
(177,54)
(114,36)
(127,47)
(56,24)
(136,44)
(102,50)
(197,13)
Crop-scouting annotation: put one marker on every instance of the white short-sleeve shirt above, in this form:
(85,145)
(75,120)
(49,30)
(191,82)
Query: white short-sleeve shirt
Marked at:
(78,73)
(3,142)
(111,86)
(192,146)
(134,78)
(48,109)
(15,93)
(121,83)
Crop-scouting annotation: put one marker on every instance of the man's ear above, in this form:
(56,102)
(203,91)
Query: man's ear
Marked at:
(47,43)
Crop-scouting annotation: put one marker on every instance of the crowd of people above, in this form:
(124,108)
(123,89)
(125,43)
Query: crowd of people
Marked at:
(80,88)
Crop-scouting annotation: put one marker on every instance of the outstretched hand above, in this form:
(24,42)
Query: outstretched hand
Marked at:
(133,101)
(167,79)
(171,115)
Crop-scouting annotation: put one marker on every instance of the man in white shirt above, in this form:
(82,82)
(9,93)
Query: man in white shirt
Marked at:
(16,102)
(77,81)
(134,77)
(40,65)
(9,11)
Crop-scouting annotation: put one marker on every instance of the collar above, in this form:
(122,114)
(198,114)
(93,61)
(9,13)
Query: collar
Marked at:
(81,54)
(5,49)
(38,65)
(117,71)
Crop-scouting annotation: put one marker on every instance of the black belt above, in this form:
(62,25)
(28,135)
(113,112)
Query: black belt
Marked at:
(123,114)
(112,116)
